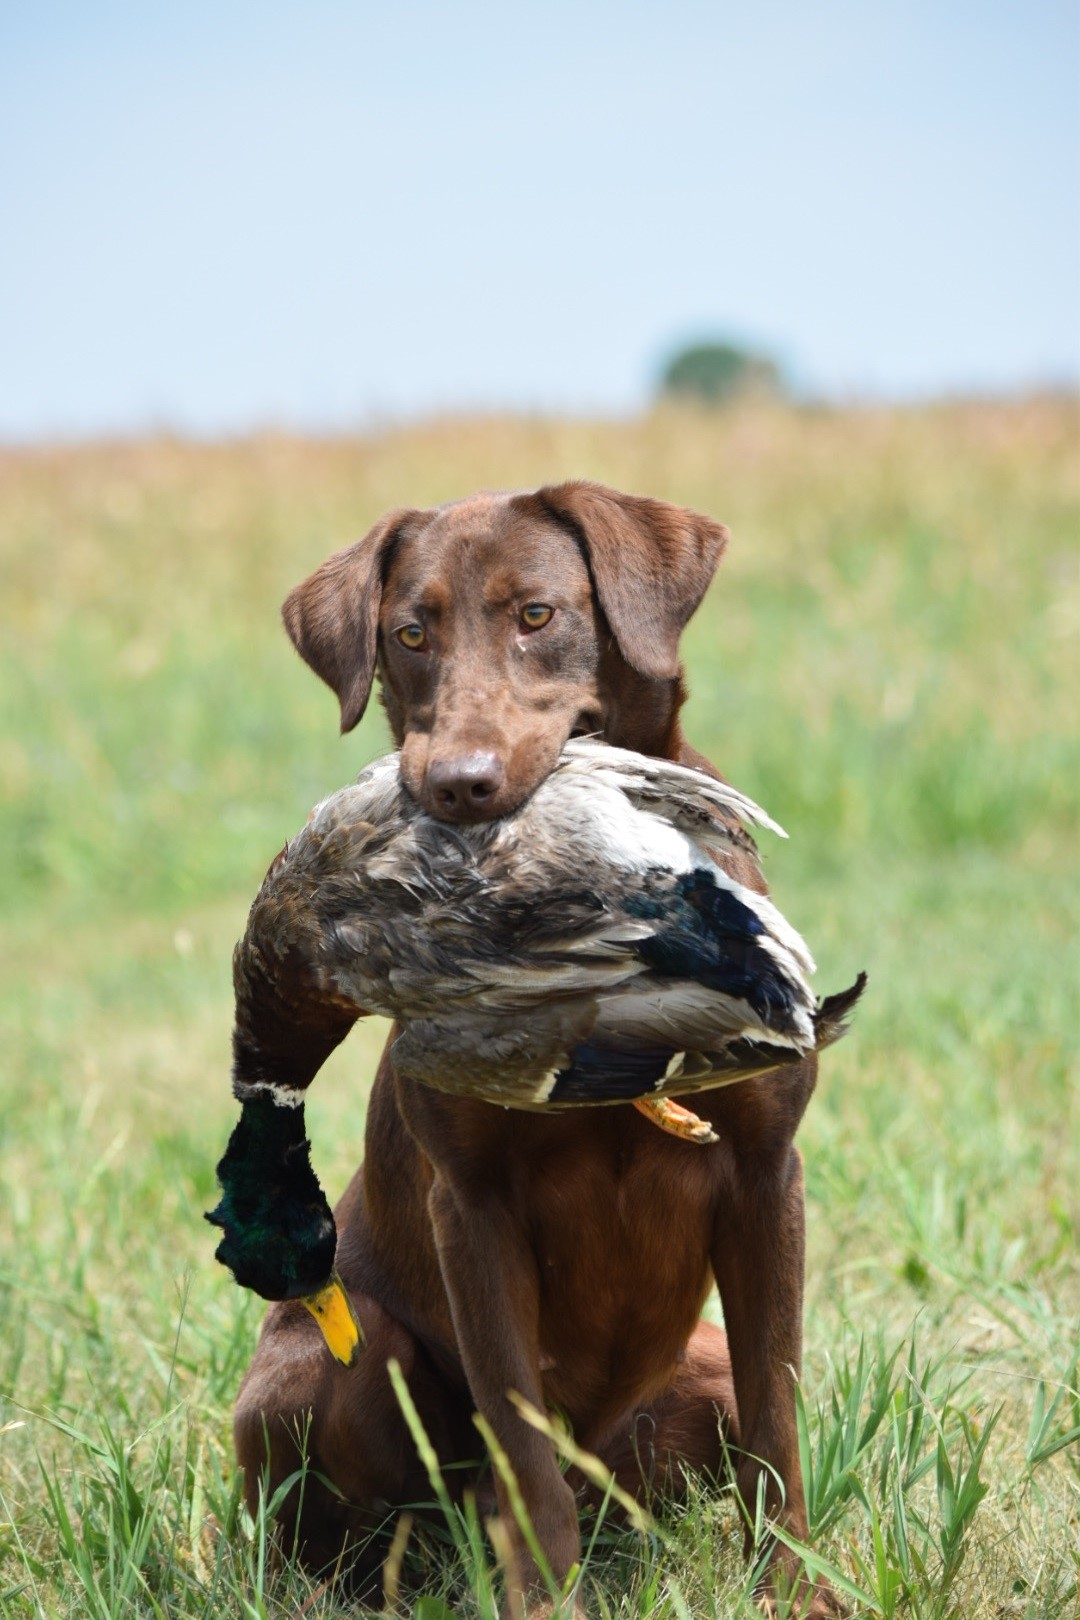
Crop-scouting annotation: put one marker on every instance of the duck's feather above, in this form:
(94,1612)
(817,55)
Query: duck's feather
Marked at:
(686,797)
(588,948)
(280,1236)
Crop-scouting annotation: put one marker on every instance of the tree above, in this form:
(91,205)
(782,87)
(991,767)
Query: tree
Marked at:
(718,373)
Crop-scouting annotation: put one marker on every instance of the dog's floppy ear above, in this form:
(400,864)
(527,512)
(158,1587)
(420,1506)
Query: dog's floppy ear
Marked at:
(651,565)
(333,617)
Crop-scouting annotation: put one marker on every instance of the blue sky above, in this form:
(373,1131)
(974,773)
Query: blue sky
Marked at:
(217,217)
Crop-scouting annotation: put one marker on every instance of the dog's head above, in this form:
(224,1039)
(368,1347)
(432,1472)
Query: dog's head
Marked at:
(503,625)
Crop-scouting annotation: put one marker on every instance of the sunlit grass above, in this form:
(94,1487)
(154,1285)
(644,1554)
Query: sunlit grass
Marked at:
(887,660)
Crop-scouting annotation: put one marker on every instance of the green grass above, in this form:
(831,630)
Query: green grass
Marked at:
(887,661)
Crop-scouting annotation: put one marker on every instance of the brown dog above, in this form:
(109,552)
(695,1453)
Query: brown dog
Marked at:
(564,1256)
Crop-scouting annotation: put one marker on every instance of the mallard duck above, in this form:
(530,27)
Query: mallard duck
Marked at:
(586,950)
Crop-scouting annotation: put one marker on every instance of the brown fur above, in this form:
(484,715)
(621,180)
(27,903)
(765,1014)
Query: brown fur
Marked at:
(564,1256)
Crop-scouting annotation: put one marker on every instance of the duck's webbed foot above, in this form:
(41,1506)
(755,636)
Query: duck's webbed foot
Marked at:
(672,1117)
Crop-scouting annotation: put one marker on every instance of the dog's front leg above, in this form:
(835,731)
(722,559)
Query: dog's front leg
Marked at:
(491,1280)
(759,1260)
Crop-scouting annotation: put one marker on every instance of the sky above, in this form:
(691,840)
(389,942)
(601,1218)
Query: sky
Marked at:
(223,217)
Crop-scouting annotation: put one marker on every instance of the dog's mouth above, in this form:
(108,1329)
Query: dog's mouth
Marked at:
(487,783)
(588,724)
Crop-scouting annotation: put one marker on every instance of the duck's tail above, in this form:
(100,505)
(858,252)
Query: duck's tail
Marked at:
(832,1016)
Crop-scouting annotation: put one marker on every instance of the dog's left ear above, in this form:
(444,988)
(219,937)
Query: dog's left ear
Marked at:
(333,616)
(651,564)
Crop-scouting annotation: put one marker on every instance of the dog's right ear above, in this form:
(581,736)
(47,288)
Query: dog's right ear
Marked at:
(651,563)
(333,617)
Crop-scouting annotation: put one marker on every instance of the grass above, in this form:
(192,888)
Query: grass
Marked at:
(887,661)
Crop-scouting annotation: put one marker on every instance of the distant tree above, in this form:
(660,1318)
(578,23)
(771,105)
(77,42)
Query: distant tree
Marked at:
(718,373)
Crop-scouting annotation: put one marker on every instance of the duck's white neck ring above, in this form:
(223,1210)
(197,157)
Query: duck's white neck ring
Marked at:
(282,1096)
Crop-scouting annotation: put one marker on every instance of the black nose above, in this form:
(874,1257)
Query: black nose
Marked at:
(463,785)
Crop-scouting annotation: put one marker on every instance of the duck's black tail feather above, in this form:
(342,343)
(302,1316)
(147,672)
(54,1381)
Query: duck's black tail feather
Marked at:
(831,1017)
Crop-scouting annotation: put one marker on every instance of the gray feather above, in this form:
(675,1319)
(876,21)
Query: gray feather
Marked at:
(500,947)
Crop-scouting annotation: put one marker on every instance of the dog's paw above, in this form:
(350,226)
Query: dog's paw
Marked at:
(548,1609)
(803,1602)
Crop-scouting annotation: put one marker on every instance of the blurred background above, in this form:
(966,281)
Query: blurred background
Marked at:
(268,271)
(220,217)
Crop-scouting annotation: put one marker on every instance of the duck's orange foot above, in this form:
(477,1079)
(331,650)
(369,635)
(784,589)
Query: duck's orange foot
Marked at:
(672,1117)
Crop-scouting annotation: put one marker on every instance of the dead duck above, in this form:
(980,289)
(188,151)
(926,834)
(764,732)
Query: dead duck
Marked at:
(586,950)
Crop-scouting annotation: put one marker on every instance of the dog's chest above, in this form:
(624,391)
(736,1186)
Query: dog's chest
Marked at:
(621,1232)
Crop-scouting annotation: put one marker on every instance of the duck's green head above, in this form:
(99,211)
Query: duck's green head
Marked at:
(280,1236)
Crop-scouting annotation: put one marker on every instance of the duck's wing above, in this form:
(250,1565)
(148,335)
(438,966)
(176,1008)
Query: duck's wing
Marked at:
(477,1051)
(592,807)
(697,992)
(574,1051)
(724,997)
(675,1043)
(682,795)
(708,928)
(612,1050)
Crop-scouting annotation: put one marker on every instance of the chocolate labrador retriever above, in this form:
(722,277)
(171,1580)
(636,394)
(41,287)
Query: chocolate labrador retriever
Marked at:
(564,1256)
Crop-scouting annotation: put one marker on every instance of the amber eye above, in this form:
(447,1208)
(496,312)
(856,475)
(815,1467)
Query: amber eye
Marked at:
(536,615)
(411,636)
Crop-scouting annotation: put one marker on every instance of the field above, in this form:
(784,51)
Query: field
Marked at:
(887,662)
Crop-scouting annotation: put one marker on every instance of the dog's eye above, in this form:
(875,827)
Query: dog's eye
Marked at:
(412,636)
(536,615)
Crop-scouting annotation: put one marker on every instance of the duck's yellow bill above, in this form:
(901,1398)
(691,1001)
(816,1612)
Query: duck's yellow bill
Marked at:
(333,1311)
(672,1117)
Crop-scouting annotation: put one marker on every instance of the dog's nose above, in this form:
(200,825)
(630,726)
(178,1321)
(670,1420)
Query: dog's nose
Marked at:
(463,786)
